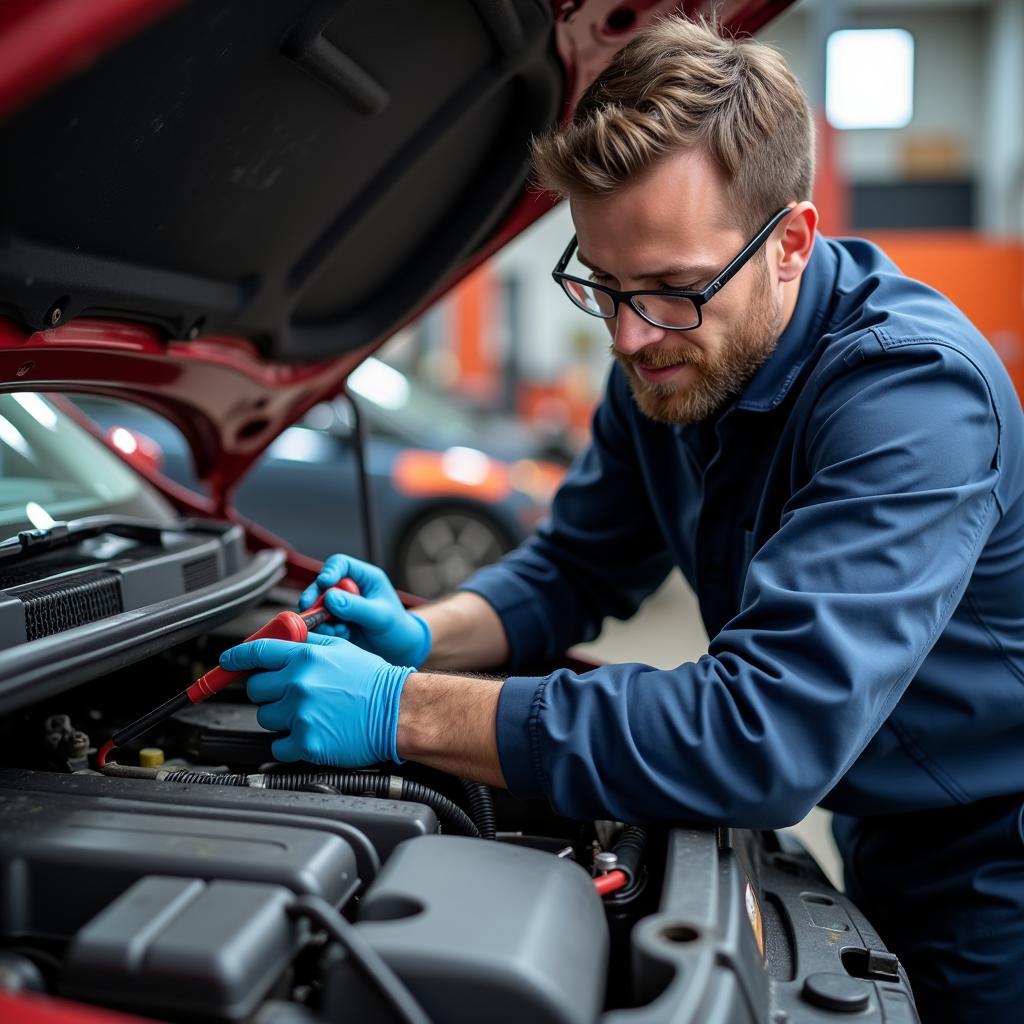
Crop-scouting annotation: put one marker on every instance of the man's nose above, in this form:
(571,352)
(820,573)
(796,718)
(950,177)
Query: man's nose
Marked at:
(631,332)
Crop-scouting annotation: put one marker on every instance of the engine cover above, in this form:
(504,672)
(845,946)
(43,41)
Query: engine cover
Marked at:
(481,931)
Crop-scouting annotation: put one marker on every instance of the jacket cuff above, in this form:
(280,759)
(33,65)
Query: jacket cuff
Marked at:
(518,751)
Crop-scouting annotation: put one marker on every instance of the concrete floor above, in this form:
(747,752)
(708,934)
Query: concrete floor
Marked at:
(668,631)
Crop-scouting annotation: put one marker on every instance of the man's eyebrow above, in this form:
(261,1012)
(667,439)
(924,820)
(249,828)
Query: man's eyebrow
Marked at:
(693,271)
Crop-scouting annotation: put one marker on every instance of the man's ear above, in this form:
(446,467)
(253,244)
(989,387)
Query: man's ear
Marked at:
(796,241)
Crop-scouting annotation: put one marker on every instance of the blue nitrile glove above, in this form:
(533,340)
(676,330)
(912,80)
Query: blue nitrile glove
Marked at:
(375,620)
(337,702)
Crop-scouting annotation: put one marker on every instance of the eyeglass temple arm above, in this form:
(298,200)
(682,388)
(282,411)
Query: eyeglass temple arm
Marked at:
(755,243)
(563,261)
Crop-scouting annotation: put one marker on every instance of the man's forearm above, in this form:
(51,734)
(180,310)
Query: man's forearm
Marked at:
(465,632)
(449,723)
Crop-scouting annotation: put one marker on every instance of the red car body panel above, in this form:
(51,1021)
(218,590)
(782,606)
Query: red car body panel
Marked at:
(45,41)
(228,401)
(30,1009)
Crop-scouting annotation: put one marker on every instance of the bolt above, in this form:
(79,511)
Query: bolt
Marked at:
(78,745)
(605,861)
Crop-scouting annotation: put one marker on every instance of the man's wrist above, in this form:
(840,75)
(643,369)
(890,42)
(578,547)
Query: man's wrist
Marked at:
(419,732)
(449,722)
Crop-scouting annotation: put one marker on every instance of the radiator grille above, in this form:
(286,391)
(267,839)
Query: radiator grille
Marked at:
(200,572)
(42,569)
(62,605)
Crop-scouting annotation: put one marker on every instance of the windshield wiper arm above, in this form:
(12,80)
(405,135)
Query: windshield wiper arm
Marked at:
(60,534)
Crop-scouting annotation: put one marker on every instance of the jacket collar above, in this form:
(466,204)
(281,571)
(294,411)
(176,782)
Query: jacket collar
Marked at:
(773,380)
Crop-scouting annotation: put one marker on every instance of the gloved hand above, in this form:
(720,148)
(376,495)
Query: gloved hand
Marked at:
(337,702)
(375,620)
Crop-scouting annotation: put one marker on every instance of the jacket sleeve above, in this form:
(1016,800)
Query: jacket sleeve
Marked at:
(839,608)
(600,553)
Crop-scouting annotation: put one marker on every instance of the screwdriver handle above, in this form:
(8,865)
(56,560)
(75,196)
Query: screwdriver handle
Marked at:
(346,583)
(283,626)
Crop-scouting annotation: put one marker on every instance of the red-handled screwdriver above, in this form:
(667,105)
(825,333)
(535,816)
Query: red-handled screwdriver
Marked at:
(293,626)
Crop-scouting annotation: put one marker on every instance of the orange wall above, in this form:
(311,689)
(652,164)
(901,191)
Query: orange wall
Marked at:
(474,309)
(984,277)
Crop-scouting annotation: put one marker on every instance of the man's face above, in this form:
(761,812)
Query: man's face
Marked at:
(673,229)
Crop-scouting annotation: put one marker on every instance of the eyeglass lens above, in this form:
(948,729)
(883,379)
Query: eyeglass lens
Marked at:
(664,310)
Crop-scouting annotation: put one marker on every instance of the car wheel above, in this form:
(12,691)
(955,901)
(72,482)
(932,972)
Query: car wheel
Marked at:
(443,548)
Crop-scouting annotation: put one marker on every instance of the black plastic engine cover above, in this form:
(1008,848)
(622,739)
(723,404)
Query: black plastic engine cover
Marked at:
(64,859)
(481,931)
(231,940)
(372,827)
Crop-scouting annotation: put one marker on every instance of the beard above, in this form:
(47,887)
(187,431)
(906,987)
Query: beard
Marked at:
(720,377)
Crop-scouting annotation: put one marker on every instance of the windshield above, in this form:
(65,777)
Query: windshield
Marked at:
(51,470)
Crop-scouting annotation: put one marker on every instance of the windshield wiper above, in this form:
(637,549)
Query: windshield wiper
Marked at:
(61,534)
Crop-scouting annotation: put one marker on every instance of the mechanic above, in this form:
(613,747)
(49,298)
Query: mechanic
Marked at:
(834,458)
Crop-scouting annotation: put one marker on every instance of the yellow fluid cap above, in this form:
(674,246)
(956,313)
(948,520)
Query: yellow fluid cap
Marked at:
(151,757)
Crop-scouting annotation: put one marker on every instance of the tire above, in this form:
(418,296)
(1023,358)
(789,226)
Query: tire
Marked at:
(445,546)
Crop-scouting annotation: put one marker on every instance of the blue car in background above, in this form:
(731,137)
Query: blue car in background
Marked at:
(450,490)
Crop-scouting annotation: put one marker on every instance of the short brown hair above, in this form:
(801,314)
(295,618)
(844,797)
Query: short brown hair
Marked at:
(680,84)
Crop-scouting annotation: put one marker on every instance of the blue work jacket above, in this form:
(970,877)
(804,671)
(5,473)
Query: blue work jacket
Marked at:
(853,527)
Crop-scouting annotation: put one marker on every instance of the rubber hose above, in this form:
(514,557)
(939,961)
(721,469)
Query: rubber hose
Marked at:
(207,779)
(481,807)
(630,848)
(452,817)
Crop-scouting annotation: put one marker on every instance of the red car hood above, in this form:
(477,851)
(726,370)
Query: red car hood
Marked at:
(220,209)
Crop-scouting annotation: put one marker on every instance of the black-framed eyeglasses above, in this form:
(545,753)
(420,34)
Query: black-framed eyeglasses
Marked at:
(672,309)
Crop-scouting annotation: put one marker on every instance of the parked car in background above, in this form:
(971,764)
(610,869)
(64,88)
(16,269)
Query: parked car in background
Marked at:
(450,490)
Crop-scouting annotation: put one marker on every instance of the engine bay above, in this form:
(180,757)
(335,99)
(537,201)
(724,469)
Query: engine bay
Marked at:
(171,861)
(191,877)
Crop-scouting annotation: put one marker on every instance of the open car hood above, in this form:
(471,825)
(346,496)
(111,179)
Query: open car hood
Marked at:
(217,209)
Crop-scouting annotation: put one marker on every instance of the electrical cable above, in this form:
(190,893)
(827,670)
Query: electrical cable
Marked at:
(611,882)
(627,879)
(389,787)
(631,848)
(481,807)
(369,961)
(207,778)
(453,817)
